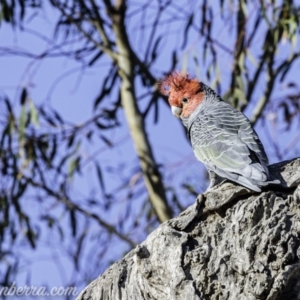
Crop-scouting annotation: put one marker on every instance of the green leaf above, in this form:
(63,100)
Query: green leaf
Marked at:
(241,62)
(23,96)
(240,83)
(244,7)
(22,125)
(155,47)
(34,117)
(100,177)
(186,30)
(251,58)
(73,166)
(95,58)
(73,222)
(8,106)
(30,234)
(107,85)
(239,94)
(197,64)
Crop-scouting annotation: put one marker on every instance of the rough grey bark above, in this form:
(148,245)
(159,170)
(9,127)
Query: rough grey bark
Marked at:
(231,244)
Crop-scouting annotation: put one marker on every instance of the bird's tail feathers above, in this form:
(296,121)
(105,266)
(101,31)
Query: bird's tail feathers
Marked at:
(254,182)
(249,184)
(255,172)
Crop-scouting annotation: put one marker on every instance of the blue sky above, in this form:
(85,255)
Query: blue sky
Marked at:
(72,96)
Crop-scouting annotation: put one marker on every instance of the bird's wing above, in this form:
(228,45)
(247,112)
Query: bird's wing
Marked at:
(223,137)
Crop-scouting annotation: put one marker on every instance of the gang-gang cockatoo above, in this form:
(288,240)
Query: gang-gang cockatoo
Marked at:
(221,136)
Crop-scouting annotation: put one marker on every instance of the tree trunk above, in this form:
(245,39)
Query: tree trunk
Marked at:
(231,244)
(151,173)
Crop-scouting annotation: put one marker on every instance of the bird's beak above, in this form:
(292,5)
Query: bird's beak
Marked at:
(176,111)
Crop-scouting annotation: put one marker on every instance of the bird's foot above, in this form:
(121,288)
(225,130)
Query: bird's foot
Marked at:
(215,180)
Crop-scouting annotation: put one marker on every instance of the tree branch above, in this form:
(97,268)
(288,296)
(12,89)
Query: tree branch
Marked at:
(106,44)
(100,27)
(224,246)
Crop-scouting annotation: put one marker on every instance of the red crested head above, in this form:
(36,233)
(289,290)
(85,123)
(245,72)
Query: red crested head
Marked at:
(184,93)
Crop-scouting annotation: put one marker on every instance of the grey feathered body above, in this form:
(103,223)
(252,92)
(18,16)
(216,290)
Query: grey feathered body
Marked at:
(224,140)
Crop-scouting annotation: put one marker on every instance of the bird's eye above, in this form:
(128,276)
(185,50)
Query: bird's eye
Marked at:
(185,100)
